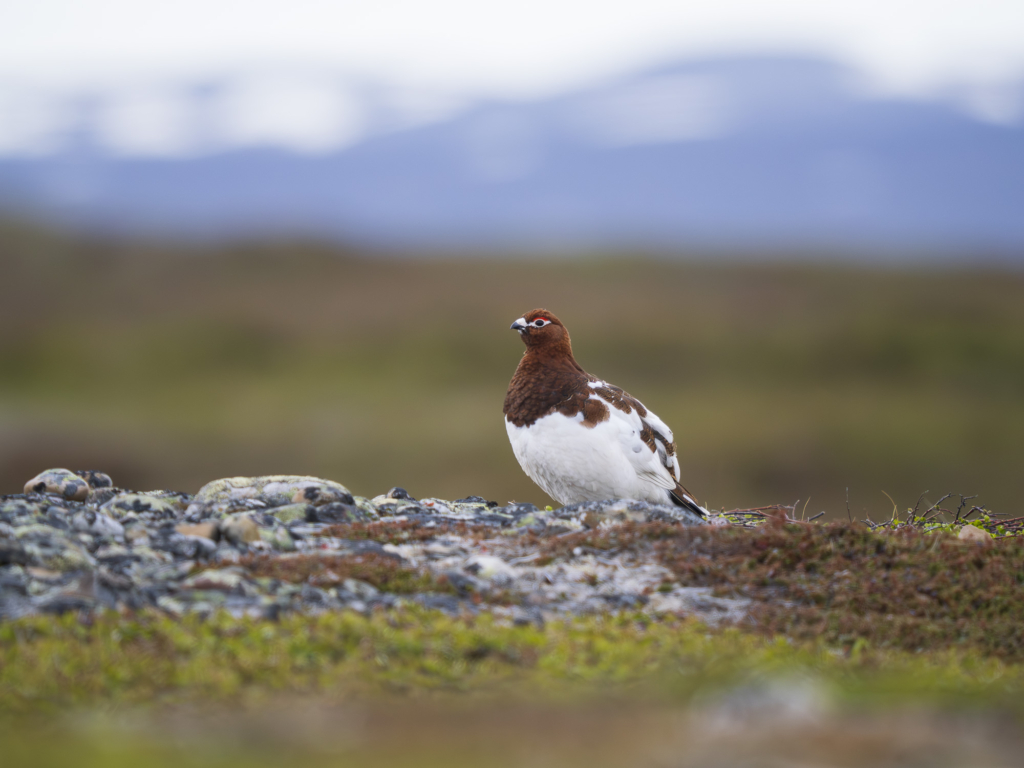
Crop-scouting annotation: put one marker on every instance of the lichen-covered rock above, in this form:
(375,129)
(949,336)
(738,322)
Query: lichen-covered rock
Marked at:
(339,513)
(389,507)
(98,524)
(53,550)
(292,512)
(158,505)
(594,513)
(12,553)
(262,546)
(366,506)
(221,579)
(62,482)
(21,511)
(240,529)
(96,480)
(278,538)
(206,530)
(490,568)
(273,490)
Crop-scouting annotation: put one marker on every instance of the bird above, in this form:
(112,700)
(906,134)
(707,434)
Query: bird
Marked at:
(580,438)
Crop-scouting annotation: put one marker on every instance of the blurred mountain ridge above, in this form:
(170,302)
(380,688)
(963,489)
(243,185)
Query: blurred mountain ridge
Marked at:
(742,155)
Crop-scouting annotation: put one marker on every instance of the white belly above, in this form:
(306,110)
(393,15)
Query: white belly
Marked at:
(574,463)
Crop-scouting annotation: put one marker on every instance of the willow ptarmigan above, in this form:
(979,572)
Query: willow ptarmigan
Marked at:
(580,438)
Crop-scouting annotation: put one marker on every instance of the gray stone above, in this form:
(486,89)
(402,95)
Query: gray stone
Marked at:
(62,482)
(291,512)
(143,503)
(125,550)
(278,538)
(240,529)
(274,490)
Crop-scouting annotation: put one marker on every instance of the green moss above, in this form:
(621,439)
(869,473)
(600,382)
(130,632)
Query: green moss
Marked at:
(60,662)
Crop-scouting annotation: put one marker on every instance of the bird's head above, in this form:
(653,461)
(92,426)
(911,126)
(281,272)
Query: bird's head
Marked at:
(539,328)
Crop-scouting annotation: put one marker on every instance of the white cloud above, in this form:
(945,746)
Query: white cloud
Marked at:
(32,122)
(153,122)
(432,58)
(408,108)
(521,49)
(301,114)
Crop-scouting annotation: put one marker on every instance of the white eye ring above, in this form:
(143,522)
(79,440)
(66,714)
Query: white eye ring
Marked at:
(540,322)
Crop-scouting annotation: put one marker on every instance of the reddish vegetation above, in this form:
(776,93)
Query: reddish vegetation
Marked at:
(403,531)
(843,582)
(385,573)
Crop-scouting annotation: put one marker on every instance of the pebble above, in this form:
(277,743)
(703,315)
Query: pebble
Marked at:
(240,530)
(975,534)
(75,542)
(206,530)
(62,482)
(274,490)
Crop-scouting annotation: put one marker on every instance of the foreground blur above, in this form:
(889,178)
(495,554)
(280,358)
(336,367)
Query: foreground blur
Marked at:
(783,728)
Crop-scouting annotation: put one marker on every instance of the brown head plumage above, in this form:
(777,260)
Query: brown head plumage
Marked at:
(548,376)
(542,332)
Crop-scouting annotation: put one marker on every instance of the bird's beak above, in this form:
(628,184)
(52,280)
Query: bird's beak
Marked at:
(519,325)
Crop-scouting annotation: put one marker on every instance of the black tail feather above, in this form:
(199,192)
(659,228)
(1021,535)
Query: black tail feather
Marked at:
(684,499)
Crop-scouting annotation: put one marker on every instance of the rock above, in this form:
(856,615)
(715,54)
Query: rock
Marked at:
(278,538)
(62,482)
(97,524)
(12,553)
(361,590)
(975,534)
(223,579)
(133,551)
(240,529)
(611,516)
(53,550)
(491,568)
(291,512)
(317,495)
(272,490)
(136,533)
(206,530)
(393,507)
(154,504)
(17,512)
(337,513)
(95,479)
(621,510)
(476,500)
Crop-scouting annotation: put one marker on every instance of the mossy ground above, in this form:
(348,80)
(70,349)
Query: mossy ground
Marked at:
(116,662)
(403,531)
(879,621)
(838,598)
(844,583)
(384,572)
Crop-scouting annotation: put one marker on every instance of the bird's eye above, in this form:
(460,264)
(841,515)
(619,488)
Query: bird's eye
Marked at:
(539,323)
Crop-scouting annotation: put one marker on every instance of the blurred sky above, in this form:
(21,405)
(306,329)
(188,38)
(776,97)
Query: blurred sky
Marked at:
(525,48)
(286,59)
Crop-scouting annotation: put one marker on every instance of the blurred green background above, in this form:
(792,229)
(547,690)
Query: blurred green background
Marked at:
(168,365)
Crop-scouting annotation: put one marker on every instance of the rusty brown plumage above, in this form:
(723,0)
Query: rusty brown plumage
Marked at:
(549,380)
